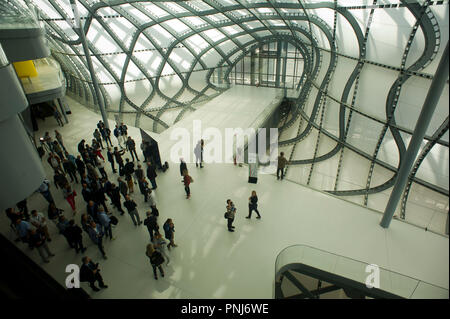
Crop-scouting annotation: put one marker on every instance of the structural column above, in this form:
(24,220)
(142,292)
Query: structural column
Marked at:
(433,95)
(89,62)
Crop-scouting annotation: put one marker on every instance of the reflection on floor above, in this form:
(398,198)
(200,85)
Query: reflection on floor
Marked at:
(211,262)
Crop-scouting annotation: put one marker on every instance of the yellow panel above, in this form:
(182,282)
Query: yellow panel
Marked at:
(25,69)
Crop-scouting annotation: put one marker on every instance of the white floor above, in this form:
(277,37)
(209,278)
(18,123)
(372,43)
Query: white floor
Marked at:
(211,262)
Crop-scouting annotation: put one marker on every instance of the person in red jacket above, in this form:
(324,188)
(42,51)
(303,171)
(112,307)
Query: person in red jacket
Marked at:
(187,180)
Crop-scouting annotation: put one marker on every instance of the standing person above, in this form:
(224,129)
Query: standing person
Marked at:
(131,207)
(88,194)
(151,174)
(60,180)
(156,260)
(105,221)
(198,154)
(101,168)
(231,210)
(81,167)
(74,233)
(187,180)
(44,189)
(23,229)
(202,144)
(143,187)
(92,210)
(139,172)
(123,187)
(131,146)
(69,195)
(48,140)
(110,156)
(70,169)
(118,155)
(152,225)
(62,225)
(92,172)
(253,205)
(282,161)
(118,136)
(23,208)
(38,241)
(183,166)
(58,150)
(53,213)
(55,162)
(160,245)
(124,131)
(96,235)
(81,147)
(151,198)
(85,222)
(108,135)
(57,116)
(38,220)
(99,196)
(59,138)
(128,170)
(97,153)
(98,138)
(115,198)
(89,272)
(169,230)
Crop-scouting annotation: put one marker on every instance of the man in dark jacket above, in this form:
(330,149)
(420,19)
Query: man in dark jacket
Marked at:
(110,155)
(118,135)
(89,272)
(123,187)
(118,155)
(81,167)
(131,146)
(183,166)
(87,193)
(81,146)
(151,174)
(152,225)
(115,198)
(99,197)
(92,209)
(60,180)
(74,235)
(131,207)
(70,169)
(37,240)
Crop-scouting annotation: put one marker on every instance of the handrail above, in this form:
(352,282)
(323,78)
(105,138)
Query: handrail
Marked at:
(296,257)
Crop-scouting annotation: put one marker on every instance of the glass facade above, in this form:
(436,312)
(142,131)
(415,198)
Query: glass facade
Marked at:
(358,72)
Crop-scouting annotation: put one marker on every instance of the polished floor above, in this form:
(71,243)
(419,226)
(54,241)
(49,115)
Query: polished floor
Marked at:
(211,262)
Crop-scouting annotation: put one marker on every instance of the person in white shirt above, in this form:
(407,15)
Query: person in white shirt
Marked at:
(151,198)
(40,222)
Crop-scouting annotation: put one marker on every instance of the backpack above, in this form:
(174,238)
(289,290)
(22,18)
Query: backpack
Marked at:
(156,258)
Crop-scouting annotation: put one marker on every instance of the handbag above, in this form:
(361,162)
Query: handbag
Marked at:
(226,215)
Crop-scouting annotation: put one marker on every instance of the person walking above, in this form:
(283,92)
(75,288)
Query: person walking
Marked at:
(131,207)
(231,211)
(89,272)
(187,180)
(59,138)
(98,138)
(40,222)
(69,195)
(253,205)
(38,240)
(160,245)
(75,235)
(152,225)
(282,161)
(151,174)
(115,198)
(96,235)
(131,146)
(169,230)
(110,156)
(156,260)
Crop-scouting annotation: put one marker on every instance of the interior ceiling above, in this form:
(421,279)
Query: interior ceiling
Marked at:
(155,58)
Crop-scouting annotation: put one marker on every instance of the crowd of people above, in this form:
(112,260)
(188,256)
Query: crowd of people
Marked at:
(96,219)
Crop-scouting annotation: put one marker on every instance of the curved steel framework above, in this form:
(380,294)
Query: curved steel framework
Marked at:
(156,42)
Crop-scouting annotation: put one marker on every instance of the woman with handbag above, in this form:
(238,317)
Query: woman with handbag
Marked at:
(156,260)
(187,180)
(253,205)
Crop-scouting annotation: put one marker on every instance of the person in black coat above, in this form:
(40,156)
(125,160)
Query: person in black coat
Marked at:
(92,209)
(152,225)
(183,166)
(253,205)
(151,174)
(70,169)
(87,193)
(115,198)
(89,272)
(156,260)
(81,167)
(99,197)
(74,235)
(81,146)
(143,187)
(110,155)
